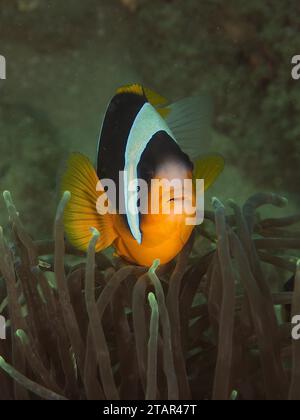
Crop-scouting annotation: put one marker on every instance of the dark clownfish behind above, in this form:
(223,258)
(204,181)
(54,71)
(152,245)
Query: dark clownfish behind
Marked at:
(148,139)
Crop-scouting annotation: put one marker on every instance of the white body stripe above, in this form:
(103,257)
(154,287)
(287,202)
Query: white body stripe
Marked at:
(146,124)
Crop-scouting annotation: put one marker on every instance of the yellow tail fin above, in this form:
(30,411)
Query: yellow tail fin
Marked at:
(81,213)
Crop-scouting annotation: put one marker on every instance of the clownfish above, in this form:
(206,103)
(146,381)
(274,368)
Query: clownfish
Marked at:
(142,137)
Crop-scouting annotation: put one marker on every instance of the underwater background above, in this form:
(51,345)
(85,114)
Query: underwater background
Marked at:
(64,62)
(66,59)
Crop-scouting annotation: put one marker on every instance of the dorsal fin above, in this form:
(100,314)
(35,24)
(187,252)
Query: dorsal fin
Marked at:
(155,99)
(190,120)
(135,88)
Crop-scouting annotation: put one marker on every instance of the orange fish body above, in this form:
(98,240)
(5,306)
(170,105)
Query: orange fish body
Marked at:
(164,235)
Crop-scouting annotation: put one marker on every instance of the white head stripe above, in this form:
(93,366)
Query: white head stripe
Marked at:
(146,124)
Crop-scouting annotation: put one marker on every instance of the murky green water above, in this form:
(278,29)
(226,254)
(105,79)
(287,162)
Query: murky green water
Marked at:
(65,59)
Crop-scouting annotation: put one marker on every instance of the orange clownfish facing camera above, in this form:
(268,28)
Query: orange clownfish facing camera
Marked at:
(144,142)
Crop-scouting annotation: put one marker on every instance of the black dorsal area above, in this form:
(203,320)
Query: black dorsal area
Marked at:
(116,127)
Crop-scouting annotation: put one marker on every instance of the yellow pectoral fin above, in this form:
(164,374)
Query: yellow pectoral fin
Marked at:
(208,168)
(81,213)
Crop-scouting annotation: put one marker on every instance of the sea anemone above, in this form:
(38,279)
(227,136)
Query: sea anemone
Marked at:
(203,327)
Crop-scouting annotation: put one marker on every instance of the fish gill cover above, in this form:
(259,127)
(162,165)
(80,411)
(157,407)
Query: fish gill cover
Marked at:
(203,328)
